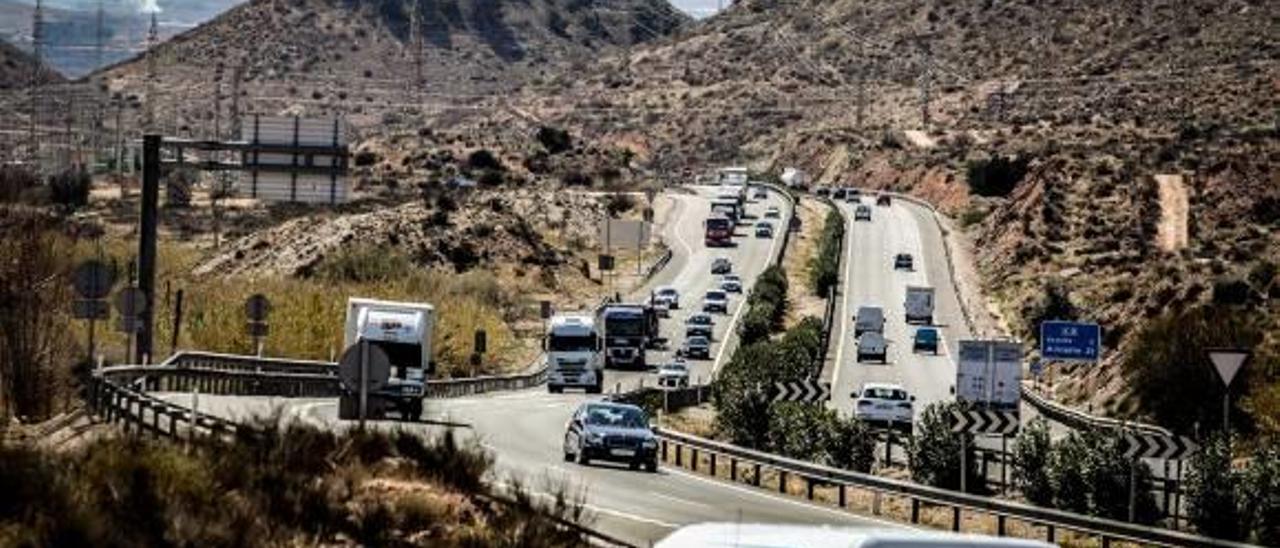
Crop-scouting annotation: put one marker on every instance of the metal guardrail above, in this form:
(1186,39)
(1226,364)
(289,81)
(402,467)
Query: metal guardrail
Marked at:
(675,446)
(1079,420)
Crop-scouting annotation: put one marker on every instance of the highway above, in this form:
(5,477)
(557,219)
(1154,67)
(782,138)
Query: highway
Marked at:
(868,278)
(524,430)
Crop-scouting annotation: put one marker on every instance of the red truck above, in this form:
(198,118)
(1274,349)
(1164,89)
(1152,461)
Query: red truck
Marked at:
(719,231)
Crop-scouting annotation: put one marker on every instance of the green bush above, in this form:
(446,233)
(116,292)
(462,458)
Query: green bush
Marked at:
(15,183)
(555,140)
(934,452)
(1261,485)
(70,189)
(824,268)
(1213,504)
(798,430)
(766,306)
(1168,368)
(1090,475)
(850,445)
(363,265)
(1031,453)
(996,176)
(1067,464)
(483,159)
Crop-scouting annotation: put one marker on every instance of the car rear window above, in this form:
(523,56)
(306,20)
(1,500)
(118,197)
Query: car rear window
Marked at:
(885,394)
(715,295)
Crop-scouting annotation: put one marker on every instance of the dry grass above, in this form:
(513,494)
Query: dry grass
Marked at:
(291,485)
(799,261)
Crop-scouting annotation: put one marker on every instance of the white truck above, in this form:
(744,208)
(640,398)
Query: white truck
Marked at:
(403,331)
(919,305)
(574,357)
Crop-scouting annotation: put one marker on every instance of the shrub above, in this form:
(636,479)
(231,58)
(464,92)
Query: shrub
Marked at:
(1108,472)
(824,267)
(619,203)
(483,159)
(363,264)
(1067,474)
(15,182)
(1168,368)
(850,445)
(554,140)
(365,158)
(797,430)
(996,176)
(1053,303)
(1212,501)
(1261,484)
(934,451)
(70,189)
(1031,453)
(576,178)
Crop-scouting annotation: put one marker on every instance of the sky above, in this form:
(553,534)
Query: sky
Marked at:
(697,8)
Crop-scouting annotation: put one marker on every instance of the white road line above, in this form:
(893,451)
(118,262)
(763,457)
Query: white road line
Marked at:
(787,500)
(845,315)
(599,509)
(679,500)
(715,366)
(688,249)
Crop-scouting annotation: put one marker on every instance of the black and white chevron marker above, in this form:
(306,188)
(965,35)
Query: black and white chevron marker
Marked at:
(806,391)
(982,421)
(1157,446)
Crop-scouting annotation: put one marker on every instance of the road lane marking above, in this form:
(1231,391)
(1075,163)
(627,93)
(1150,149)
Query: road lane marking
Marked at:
(596,508)
(715,366)
(847,291)
(775,498)
(679,500)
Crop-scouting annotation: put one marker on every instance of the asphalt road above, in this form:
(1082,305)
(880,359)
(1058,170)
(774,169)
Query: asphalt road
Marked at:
(869,279)
(524,430)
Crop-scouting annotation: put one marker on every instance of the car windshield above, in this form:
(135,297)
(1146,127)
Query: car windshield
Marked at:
(700,319)
(620,417)
(732,278)
(667,292)
(674,368)
(582,343)
(697,341)
(927,334)
(624,327)
(881,393)
(715,296)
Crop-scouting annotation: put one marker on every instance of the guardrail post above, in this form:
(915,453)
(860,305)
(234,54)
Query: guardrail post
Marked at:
(955,519)
(733,469)
(665,456)
(1106,541)
(809,487)
(782,481)
(755,480)
(712,458)
(1000,525)
(875,503)
(679,456)
(915,511)
(1049,533)
(843,499)
(693,459)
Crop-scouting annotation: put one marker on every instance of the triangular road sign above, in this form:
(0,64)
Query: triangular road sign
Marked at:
(1228,362)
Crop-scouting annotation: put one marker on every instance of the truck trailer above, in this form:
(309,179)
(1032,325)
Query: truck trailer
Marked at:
(403,331)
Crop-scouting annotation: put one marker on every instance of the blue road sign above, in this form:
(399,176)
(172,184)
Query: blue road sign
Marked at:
(1070,341)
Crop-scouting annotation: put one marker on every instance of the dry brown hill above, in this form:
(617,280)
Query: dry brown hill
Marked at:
(1099,106)
(358,57)
(16,67)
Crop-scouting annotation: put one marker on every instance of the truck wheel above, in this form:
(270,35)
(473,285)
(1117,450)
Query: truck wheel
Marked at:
(596,388)
(414,411)
(651,466)
(583,459)
(554,389)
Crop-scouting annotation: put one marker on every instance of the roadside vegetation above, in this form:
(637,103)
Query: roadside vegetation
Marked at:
(289,485)
(824,273)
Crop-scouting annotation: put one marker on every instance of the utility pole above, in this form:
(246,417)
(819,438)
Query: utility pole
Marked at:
(926,90)
(153,38)
(99,114)
(37,82)
(862,85)
(416,42)
(236,75)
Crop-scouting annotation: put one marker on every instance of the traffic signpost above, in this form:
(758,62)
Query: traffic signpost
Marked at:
(1070,341)
(256,309)
(363,368)
(806,391)
(93,281)
(131,303)
(989,390)
(1228,362)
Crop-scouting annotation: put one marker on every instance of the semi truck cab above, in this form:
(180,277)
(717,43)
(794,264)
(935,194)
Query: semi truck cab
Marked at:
(573,345)
(403,332)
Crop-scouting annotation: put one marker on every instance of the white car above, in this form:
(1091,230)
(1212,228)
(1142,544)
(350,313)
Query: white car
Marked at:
(667,295)
(674,375)
(772,213)
(716,301)
(883,403)
(731,283)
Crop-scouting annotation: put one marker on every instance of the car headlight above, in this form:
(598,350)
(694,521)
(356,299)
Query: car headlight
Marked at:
(595,438)
(650,444)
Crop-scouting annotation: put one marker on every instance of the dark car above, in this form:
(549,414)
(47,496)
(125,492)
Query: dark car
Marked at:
(838,194)
(926,340)
(822,191)
(884,200)
(612,432)
(721,266)
(695,348)
(903,261)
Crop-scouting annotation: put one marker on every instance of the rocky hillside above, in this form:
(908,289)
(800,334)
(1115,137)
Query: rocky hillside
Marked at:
(16,67)
(1113,159)
(357,57)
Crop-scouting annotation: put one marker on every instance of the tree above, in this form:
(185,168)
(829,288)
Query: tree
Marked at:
(799,430)
(1212,502)
(850,445)
(1067,474)
(934,451)
(1031,454)
(1168,367)
(555,140)
(1261,488)
(996,176)
(1108,471)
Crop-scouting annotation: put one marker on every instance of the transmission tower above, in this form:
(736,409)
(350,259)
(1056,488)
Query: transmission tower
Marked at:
(37,83)
(236,75)
(926,89)
(416,42)
(153,38)
(99,112)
